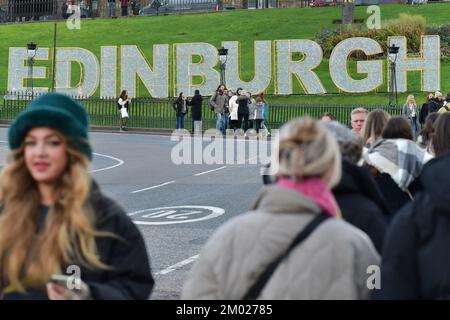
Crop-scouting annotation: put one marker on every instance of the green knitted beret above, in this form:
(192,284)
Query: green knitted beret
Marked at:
(56,111)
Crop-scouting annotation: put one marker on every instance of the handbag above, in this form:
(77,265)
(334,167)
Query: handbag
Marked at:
(124,112)
(256,288)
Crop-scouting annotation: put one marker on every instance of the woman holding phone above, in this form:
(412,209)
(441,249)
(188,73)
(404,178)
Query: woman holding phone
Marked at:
(55,221)
(123,105)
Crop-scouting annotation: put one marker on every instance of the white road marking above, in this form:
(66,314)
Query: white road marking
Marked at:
(153,187)
(176,214)
(205,172)
(177,265)
(120,162)
(250,159)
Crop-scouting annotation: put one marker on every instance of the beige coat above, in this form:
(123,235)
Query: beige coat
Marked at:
(330,264)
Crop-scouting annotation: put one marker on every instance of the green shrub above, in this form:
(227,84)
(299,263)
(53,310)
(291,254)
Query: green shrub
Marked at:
(410,26)
(324,37)
(444,33)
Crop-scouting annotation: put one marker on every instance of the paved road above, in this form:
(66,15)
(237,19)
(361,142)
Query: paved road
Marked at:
(138,172)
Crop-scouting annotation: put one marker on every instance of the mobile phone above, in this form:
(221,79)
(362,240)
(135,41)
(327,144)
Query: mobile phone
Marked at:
(60,279)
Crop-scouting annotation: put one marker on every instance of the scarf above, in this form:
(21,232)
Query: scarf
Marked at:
(316,190)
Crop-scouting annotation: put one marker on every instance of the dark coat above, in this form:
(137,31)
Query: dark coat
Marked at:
(395,197)
(130,276)
(243,102)
(178,107)
(361,202)
(423,113)
(416,262)
(434,105)
(196,103)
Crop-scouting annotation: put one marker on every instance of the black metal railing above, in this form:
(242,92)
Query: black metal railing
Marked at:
(26,10)
(34,10)
(146,112)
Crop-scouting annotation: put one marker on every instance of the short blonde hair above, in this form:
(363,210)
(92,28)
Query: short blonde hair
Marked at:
(359,110)
(306,149)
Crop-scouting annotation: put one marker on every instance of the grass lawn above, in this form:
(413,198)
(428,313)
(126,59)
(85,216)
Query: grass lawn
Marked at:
(240,25)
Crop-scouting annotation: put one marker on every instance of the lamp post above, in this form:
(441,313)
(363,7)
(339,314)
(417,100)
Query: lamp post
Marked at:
(31,53)
(223,56)
(393,51)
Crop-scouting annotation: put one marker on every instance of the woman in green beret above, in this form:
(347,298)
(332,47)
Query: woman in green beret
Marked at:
(60,237)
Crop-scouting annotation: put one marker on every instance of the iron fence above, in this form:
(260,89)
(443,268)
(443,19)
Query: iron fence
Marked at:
(26,10)
(35,10)
(146,112)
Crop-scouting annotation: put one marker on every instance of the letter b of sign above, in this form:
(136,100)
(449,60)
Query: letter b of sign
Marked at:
(74,280)
(374,280)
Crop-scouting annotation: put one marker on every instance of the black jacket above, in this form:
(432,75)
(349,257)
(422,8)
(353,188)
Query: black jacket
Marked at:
(423,113)
(243,102)
(178,106)
(130,276)
(434,105)
(361,202)
(416,259)
(196,103)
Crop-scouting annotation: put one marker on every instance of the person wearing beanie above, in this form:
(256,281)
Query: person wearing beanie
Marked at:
(58,232)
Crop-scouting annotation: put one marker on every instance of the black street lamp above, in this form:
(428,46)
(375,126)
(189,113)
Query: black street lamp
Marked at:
(223,56)
(393,51)
(31,53)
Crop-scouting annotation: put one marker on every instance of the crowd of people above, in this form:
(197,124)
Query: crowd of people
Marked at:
(342,202)
(233,110)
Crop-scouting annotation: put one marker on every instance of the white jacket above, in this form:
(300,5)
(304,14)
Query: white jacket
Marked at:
(233,106)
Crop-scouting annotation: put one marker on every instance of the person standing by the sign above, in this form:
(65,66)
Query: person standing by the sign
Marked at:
(410,114)
(196,109)
(123,105)
(180,107)
(124,6)
(112,8)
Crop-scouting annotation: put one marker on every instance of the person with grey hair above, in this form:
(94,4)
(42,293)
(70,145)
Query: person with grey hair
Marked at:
(251,248)
(357,194)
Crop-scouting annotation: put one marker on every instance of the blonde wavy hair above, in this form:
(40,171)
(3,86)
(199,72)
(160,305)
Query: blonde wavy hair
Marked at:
(307,150)
(410,97)
(28,259)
